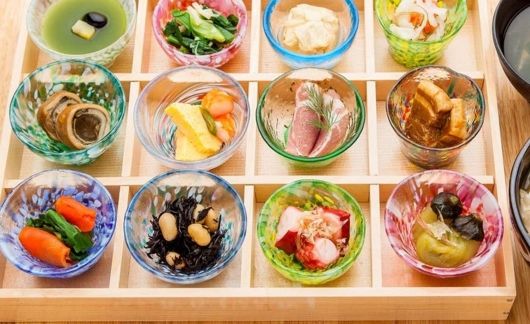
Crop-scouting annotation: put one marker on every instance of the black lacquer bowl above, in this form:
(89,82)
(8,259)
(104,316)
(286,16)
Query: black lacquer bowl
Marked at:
(519,180)
(504,14)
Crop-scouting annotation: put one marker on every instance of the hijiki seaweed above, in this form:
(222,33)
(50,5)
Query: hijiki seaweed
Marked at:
(191,257)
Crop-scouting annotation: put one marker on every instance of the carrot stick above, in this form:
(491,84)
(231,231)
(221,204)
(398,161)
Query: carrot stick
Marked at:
(76,213)
(44,246)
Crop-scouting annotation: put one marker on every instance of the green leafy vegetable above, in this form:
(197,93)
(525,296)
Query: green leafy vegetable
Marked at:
(52,222)
(204,28)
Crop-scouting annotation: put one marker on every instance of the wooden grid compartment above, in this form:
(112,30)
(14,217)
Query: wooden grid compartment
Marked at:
(379,284)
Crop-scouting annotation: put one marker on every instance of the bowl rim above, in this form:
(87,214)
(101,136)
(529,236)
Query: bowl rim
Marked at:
(445,37)
(222,155)
(514,202)
(453,73)
(335,153)
(92,258)
(191,278)
(121,107)
(496,41)
(130,26)
(339,49)
(238,40)
(441,272)
(335,271)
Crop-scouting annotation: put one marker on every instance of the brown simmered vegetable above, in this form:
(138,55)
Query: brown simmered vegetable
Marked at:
(446,205)
(435,120)
(81,125)
(51,108)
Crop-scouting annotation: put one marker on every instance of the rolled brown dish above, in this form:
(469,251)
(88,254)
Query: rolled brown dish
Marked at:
(51,108)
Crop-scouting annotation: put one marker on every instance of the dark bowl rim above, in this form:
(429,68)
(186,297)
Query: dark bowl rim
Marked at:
(482,106)
(92,258)
(337,152)
(499,48)
(514,202)
(121,106)
(191,278)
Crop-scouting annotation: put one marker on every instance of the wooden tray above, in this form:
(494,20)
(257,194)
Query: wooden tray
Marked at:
(379,286)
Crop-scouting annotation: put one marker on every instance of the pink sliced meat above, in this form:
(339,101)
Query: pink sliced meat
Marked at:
(329,139)
(304,131)
(288,228)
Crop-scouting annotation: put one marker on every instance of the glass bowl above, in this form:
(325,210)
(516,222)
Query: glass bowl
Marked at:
(519,181)
(92,82)
(35,195)
(297,194)
(411,196)
(419,53)
(106,56)
(162,14)
(276,110)
(276,12)
(188,84)
(207,189)
(456,85)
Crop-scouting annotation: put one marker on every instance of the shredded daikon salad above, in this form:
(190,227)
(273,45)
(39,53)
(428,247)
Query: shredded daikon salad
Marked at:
(419,20)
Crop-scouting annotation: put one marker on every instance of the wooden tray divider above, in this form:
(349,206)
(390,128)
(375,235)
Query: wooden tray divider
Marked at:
(375,229)
(246,249)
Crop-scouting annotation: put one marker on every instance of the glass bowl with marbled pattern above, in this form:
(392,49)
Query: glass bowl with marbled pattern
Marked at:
(37,194)
(106,56)
(456,85)
(413,194)
(306,195)
(92,82)
(209,190)
(163,13)
(412,53)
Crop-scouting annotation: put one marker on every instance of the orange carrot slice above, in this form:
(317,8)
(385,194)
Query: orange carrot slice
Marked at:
(44,246)
(76,213)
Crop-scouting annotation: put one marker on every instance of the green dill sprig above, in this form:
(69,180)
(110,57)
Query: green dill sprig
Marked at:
(323,109)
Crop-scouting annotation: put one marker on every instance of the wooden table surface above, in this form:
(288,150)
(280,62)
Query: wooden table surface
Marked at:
(514,120)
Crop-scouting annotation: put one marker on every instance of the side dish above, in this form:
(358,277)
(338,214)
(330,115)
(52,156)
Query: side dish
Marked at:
(320,123)
(436,120)
(310,30)
(65,118)
(444,236)
(422,20)
(204,127)
(187,236)
(525,208)
(60,236)
(316,238)
(200,30)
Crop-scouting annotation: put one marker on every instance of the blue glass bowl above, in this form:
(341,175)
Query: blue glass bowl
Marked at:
(92,82)
(276,12)
(36,195)
(209,190)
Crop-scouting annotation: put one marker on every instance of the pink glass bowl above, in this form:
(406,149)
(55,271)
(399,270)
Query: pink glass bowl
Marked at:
(414,193)
(162,14)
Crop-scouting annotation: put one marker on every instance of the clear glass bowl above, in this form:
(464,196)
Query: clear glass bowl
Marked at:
(106,56)
(155,129)
(276,12)
(37,194)
(419,53)
(92,82)
(207,189)
(411,196)
(297,194)
(456,85)
(276,110)
(162,14)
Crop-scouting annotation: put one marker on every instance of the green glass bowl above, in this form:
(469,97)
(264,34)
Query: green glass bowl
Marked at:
(419,53)
(305,194)
(276,108)
(92,82)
